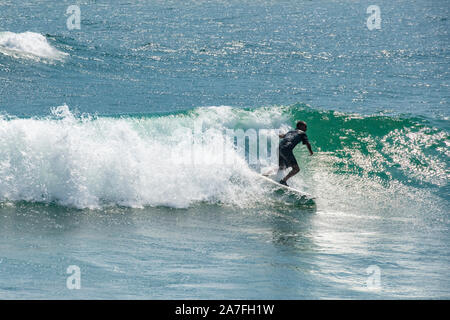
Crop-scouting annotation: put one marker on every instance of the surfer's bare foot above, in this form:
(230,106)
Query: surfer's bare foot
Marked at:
(283,183)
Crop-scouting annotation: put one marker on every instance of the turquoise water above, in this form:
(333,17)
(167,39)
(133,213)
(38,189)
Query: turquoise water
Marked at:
(91,124)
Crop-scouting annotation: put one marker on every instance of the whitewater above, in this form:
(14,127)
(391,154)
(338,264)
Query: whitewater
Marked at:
(29,45)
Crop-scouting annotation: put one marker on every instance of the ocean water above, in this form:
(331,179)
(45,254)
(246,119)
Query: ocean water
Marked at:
(97,168)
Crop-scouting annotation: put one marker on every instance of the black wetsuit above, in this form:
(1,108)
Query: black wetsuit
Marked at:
(286,158)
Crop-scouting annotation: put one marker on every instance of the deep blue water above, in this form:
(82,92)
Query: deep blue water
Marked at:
(90,118)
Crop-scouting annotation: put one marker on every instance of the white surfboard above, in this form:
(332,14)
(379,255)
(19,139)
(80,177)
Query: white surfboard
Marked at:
(287,188)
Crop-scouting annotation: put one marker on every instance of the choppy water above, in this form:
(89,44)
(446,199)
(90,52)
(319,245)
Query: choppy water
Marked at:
(91,119)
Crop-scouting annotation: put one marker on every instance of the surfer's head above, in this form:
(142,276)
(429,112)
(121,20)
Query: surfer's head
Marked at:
(301,125)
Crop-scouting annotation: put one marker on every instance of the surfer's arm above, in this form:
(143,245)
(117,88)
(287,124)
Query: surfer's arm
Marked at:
(308,145)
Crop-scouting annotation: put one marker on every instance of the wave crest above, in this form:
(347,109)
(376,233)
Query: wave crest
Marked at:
(28,45)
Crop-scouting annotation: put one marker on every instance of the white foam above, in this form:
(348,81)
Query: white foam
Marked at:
(90,163)
(29,45)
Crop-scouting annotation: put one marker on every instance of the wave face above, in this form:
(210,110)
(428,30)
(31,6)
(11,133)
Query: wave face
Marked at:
(28,45)
(85,161)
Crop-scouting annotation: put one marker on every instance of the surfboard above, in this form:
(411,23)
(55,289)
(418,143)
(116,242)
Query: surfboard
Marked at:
(279,186)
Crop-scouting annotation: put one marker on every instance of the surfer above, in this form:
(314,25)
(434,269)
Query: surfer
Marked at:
(289,140)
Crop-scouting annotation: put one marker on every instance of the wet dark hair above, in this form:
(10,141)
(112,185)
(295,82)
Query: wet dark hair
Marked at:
(300,124)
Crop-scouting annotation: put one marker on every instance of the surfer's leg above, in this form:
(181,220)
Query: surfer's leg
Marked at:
(290,161)
(281,160)
(293,172)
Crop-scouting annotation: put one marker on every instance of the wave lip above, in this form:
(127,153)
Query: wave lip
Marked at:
(28,45)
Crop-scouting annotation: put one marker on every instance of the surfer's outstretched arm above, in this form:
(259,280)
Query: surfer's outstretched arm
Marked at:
(309,148)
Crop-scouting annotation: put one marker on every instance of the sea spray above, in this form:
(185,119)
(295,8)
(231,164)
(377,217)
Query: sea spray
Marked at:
(84,162)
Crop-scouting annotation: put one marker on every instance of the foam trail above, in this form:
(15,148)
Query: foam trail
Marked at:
(29,45)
